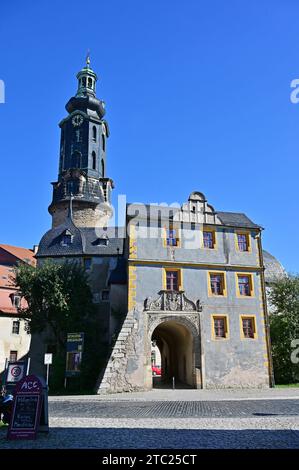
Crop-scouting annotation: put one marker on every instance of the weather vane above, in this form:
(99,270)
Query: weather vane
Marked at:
(88,58)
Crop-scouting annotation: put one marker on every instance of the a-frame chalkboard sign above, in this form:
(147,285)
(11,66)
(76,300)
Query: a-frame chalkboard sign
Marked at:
(29,401)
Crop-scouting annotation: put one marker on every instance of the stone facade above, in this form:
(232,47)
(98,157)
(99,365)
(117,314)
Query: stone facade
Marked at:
(188,278)
(182,322)
(84,215)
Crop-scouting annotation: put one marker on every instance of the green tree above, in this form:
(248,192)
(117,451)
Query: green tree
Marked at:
(284,327)
(59,301)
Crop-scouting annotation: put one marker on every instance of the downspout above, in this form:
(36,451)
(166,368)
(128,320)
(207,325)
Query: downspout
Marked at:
(266,315)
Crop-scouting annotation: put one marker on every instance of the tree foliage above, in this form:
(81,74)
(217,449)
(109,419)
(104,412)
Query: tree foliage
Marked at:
(284,327)
(59,301)
(57,295)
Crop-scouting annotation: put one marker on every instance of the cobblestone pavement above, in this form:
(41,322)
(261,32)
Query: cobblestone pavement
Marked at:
(171,409)
(98,424)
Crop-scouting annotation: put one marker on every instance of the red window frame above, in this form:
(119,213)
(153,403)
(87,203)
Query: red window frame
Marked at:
(248,327)
(172,280)
(208,239)
(244,283)
(220,327)
(171,237)
(217,284)
(243,242)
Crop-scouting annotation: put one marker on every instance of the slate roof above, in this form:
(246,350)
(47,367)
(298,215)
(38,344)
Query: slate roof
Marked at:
(85,241)
(236,219)
(231,219)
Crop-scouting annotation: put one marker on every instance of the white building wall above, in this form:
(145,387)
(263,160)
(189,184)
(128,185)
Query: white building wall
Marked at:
(12,342)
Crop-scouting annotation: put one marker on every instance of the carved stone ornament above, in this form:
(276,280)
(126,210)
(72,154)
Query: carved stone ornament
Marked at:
(172,301)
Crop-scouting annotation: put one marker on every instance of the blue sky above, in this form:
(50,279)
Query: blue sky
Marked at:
(197,96)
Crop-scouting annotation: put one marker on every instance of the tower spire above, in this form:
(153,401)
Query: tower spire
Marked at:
(87,79)
(87,60)
(83,191)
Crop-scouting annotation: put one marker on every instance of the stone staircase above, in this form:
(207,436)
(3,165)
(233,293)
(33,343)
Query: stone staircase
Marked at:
(113,377)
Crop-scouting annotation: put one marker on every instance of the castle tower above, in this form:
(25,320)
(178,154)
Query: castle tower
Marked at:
(82,161)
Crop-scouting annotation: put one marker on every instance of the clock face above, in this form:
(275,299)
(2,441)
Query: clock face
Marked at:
(77,120)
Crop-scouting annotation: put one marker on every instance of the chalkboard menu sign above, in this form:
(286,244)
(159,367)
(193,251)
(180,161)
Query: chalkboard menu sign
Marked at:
(27,408)
(25,412)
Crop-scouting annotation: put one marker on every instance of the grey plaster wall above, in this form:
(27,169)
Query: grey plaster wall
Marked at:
(232,362)
(150,246)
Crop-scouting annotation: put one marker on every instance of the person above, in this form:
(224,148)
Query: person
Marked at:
(6,402)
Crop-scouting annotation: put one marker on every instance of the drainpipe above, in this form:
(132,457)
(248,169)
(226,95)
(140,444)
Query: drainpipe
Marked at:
(266,315)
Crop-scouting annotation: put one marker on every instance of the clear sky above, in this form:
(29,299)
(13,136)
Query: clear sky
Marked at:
(197,96)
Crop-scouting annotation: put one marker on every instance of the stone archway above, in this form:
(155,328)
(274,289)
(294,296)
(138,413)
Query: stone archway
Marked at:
(178,338)
(175,343)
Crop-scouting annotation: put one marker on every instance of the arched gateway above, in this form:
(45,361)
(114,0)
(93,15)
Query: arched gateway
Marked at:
(173,323)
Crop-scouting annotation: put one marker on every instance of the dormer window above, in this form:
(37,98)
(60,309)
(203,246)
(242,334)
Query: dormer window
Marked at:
(15,300)
(66,238)
(102,241)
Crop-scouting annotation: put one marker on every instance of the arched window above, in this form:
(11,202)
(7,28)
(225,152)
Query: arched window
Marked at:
(94,161)
(94,133)
(84,81)
(103,143)
(103,168)
(89,82)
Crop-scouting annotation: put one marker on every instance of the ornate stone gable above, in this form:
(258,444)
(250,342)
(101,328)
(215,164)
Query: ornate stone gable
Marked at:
(173,301)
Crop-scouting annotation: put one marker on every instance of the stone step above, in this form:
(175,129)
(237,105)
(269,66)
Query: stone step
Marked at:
(119,344)
(126,330)
(116,350)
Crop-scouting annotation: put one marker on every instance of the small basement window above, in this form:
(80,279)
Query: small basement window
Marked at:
(16,300)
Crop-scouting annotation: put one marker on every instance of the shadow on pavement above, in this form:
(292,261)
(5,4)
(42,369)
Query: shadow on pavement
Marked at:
(145,438)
